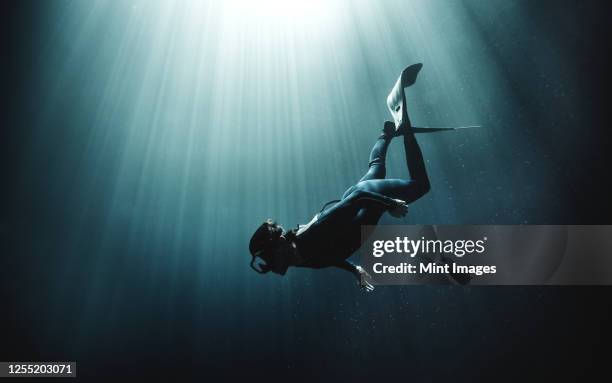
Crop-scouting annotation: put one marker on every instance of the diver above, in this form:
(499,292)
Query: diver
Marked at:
(334,234)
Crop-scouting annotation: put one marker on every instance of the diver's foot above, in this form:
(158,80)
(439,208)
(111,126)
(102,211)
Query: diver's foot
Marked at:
(396,101)
(388,131)
(403,130)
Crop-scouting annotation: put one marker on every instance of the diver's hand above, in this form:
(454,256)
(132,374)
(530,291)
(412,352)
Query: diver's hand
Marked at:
(365,279)
(399,209)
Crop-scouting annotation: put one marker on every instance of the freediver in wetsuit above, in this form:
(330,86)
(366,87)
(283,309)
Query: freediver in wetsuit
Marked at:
(334,234)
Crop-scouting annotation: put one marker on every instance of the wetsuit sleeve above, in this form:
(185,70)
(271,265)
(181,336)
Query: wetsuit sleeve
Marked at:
(348,266)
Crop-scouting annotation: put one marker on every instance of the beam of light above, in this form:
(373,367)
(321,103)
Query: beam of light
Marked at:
(173,128)
(295,12)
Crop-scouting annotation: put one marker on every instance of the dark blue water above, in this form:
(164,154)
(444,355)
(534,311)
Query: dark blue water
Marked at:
(149,139)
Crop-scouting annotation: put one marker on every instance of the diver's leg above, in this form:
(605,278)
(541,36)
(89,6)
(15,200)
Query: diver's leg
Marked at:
(378,154)
(376,166)
(396,101)
(407,190)
(414,162)
(377,169)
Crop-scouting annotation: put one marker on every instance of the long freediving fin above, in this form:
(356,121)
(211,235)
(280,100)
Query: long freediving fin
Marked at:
(423,129)
(396,101)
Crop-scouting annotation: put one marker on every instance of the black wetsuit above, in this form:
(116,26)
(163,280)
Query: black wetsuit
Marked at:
(336,234)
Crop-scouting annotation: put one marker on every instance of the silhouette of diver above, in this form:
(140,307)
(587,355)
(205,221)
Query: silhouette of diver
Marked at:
(334,234)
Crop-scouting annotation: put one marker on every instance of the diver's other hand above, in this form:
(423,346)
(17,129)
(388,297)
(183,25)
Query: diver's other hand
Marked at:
(399,209)
(365,279)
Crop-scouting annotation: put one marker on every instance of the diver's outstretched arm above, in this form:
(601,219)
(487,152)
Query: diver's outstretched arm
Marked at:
(350,267)
(358,272)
